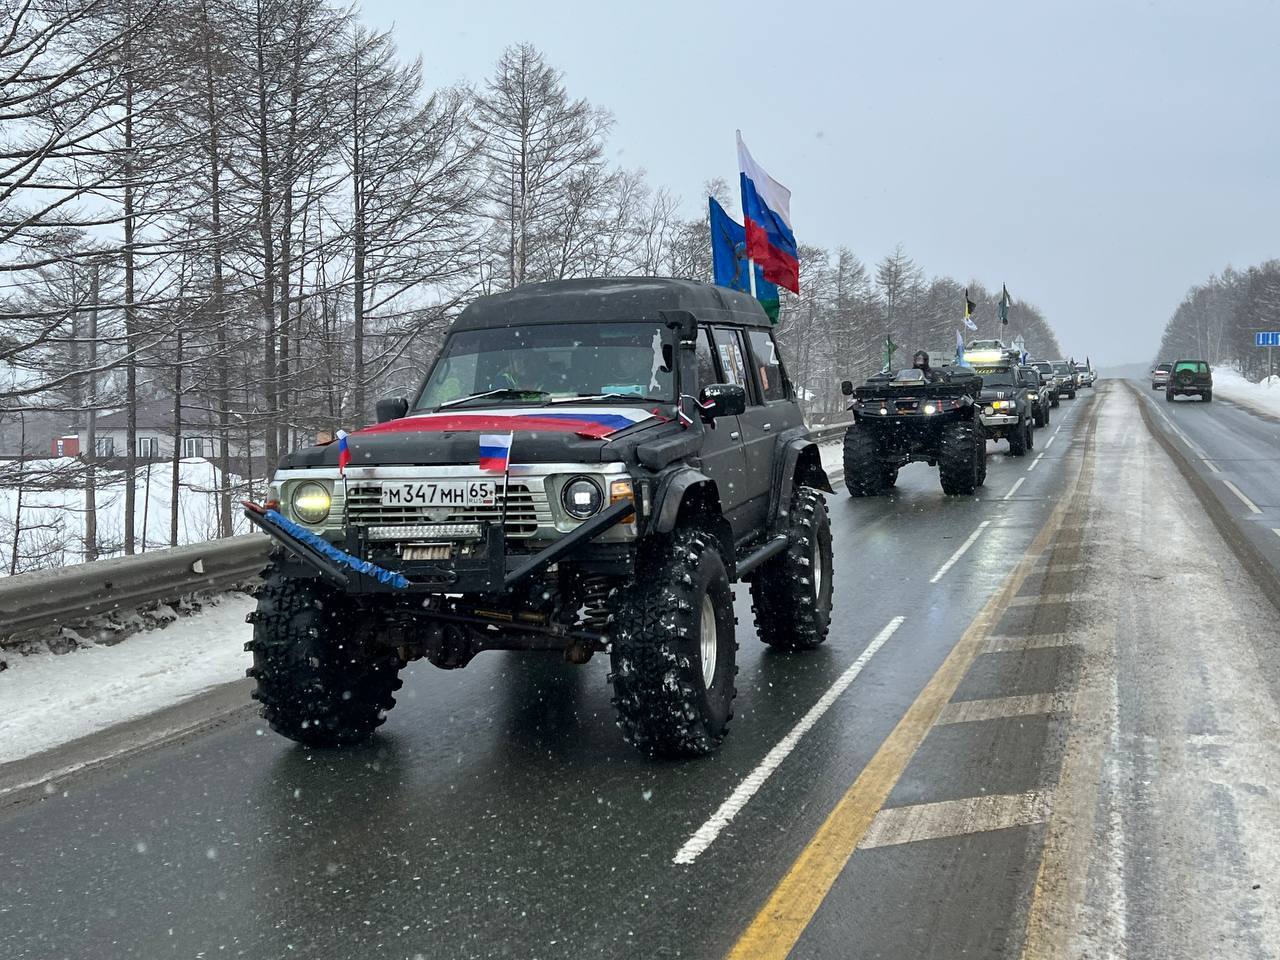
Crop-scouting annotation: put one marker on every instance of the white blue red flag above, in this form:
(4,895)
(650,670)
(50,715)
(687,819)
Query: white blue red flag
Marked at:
(495,452)
(766,212)
(344,452)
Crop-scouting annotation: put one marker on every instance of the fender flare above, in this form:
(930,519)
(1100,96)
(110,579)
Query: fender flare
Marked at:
(799,456)
(685,485)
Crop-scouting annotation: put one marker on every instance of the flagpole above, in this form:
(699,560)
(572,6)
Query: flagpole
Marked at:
(751,275)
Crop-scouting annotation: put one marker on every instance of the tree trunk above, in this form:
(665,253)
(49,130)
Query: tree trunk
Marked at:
(176,486)
(358,248)
(265,233)
(130,315)
(90,453)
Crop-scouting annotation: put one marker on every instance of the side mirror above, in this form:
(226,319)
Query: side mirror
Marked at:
(392,409)
(722,400)
(846,387)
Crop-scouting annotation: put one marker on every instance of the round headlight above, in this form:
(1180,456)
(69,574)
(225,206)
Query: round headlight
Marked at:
(310,502)
(581,498)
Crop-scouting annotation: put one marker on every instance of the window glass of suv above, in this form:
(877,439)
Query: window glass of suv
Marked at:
(768,365)
(564,360)
(732,358)
(1195,366)
(706,360)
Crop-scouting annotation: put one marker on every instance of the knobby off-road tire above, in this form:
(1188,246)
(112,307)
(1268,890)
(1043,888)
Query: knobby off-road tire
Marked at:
(1042,416)
(959,457)
(1018,440)
(863,472)
(981,438)
(888,477)
(791,593)
(664,705)
(321,681)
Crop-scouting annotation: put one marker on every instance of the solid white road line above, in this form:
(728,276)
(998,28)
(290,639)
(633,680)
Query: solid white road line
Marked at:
(954,818)
(1014,488)
(706,834)
(1243,499)
(942,572)
(1037,459)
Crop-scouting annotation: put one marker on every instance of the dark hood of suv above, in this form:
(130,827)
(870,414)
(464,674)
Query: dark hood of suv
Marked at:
(439,448)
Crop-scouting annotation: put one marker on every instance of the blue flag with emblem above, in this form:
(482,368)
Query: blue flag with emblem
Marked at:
(729,261)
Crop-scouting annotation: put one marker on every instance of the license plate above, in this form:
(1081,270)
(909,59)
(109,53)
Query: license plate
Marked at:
(440,493)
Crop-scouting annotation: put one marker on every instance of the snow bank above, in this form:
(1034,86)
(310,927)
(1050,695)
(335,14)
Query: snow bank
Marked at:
(48,699)
(1263,397)
(53,519)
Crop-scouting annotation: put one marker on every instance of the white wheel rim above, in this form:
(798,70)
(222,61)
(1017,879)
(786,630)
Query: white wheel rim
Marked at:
(707,641)
(818,572)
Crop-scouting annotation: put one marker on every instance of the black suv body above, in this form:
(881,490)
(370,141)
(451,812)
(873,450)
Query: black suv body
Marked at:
(1050,381)
(656,455)
(1039,393)
(914,417)
(1190,378)
(1006,408)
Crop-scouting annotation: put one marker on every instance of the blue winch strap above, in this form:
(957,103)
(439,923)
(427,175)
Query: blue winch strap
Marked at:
(333,553)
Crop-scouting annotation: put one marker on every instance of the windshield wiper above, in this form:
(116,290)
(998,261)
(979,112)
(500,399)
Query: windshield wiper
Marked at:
(587,397)
(506,392)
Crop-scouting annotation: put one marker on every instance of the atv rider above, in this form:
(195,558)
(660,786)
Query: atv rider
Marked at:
(921,362)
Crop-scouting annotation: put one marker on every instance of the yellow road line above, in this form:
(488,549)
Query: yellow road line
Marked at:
(783,918)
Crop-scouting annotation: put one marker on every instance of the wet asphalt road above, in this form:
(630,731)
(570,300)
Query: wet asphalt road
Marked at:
(499,814)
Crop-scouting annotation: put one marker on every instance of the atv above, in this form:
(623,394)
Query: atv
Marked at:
(907,417)
(588,467)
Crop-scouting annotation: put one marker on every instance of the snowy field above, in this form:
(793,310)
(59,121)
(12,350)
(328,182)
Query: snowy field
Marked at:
(53,520)
(50,700)
(1264,396)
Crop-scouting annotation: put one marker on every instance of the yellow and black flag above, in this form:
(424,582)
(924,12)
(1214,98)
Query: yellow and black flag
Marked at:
(969,306)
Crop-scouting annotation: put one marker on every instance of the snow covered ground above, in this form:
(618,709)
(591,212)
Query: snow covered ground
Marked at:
(53,519)
(47,700)
(1264,396)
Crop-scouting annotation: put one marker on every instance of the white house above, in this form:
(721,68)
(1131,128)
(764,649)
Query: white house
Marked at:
(156,435)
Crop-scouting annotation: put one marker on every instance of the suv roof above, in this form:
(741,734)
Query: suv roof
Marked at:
(602,300)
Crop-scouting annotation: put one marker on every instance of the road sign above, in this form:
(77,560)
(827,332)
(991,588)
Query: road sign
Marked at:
(1269,339)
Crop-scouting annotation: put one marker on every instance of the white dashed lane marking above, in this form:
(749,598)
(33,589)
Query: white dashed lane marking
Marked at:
(1014,488)
(942,571)
(706,834)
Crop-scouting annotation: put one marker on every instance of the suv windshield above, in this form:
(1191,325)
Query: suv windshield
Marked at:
(1045,367)
(997,378)
(1166,367)
(609,361)
(1061,368)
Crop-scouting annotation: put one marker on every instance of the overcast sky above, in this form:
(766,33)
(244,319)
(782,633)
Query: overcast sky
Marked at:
(1098,157)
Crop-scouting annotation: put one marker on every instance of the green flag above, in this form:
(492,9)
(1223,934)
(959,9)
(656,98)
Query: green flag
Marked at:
(889,347)
(1004,305)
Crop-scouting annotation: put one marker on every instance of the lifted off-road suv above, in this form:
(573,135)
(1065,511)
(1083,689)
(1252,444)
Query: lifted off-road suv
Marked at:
(1190,378)
(905,417)
(657,456)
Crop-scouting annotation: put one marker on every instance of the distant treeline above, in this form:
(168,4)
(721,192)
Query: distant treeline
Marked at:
(1218,319)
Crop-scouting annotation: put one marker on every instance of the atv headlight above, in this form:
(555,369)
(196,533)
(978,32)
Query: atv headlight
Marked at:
(581,498)
(310,501)
(930,409)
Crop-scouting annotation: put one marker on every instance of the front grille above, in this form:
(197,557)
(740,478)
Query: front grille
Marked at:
(364,507)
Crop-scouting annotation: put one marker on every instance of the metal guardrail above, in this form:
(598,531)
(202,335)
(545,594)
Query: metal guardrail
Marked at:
(43,600)
(39,601)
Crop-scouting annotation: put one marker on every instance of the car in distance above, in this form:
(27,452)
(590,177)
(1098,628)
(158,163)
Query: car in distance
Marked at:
(1050,380)
(1066,378)
(1190,378)
(1040,395)
(1160,375)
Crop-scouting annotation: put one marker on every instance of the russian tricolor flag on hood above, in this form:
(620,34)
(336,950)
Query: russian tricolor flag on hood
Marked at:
(766,210)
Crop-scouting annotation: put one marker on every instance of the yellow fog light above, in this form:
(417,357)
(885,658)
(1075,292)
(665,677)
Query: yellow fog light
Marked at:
(311,501)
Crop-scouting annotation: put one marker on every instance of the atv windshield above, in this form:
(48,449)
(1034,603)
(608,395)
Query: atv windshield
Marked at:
(540,363)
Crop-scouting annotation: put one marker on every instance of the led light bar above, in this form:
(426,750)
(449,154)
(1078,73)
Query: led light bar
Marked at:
(425,531)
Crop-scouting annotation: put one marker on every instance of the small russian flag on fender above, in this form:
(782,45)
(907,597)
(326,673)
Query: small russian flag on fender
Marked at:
(344,453)
(495,452)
